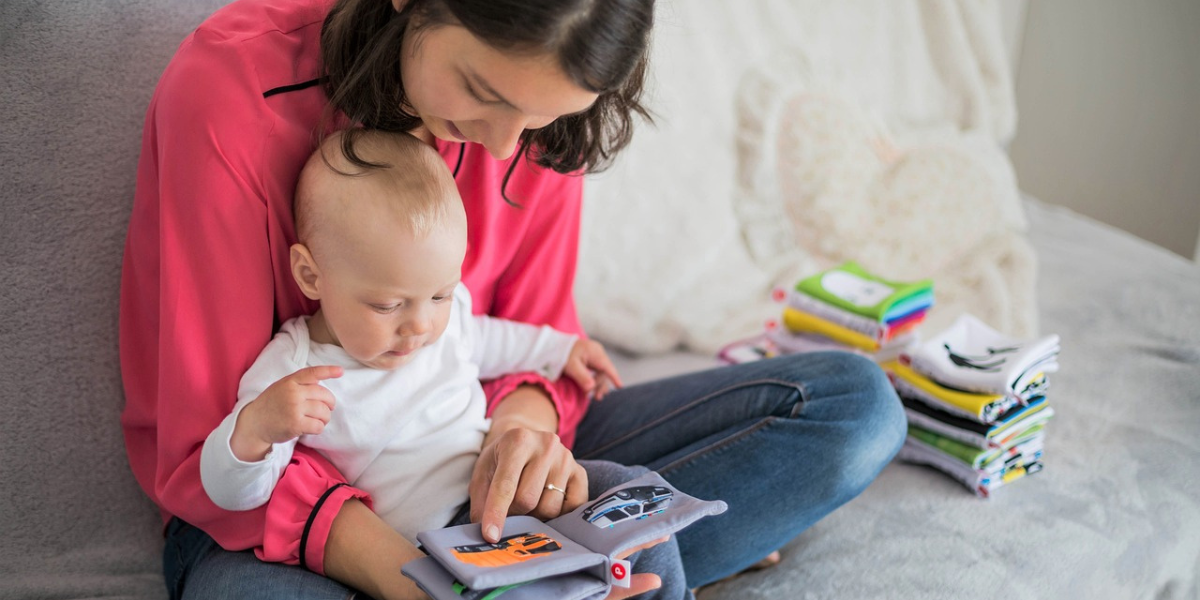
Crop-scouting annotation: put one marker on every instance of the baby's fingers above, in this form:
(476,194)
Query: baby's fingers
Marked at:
(598,361)
(313,426)
(603,386)
(579,373)
(317,374)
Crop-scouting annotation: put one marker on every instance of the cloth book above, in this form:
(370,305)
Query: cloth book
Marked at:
(973,357)
(985,408)
(571,557)
(991,460)
(853,289)
(779,341)
(877,330)
(974,433)
(1016,465)
(802,322)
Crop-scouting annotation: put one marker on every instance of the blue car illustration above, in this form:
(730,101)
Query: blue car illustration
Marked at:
(629,504)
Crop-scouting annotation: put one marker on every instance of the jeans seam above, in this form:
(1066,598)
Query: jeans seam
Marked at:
(797,386)
(719,445)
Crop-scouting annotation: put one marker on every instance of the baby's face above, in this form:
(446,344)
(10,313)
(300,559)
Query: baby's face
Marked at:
(388,293)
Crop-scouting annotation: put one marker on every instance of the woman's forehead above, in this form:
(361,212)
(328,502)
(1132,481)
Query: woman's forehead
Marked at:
(531,82)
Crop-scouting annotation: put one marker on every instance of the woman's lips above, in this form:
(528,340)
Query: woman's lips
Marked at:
(455,132)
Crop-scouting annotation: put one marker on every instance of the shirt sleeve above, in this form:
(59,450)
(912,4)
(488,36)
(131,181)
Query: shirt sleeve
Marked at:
(537,286)
(197,306)
(503,346)
(232,483)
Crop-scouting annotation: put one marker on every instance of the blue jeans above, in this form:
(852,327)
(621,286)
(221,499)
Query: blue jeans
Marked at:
(784,442)
(196,567)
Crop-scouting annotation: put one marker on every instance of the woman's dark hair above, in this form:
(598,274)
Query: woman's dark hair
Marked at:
(601,45)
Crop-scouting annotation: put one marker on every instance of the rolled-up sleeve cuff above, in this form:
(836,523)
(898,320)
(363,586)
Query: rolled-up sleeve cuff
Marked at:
(498,389)
(301,513)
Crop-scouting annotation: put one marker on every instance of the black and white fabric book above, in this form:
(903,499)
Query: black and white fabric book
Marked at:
(572,557)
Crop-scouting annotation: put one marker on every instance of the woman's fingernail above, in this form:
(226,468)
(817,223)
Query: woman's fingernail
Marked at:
(493,533)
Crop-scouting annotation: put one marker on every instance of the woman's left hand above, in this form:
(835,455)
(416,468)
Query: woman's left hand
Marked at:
(524,469)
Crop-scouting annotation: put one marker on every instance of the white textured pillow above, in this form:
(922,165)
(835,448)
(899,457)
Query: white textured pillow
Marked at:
(822,181)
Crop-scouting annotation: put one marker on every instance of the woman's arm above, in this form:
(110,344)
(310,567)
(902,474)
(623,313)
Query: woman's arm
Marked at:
(198,302)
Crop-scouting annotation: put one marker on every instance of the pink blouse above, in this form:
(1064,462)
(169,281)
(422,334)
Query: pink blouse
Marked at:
(206,274)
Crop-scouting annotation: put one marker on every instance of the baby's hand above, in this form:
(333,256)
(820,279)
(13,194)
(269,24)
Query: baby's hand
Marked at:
(293,406)
(588,365)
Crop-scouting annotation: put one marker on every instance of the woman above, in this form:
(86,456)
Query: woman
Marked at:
(517,96)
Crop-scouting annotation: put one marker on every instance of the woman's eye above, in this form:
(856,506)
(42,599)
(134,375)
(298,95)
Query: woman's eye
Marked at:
(477,96)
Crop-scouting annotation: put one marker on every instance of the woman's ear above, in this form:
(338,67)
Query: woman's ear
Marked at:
(399,4)
(305,272)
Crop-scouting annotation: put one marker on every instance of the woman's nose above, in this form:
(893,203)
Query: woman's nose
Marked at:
(503,135)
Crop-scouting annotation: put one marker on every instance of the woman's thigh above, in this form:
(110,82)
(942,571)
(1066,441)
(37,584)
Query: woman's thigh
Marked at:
(784,442)
(196,567)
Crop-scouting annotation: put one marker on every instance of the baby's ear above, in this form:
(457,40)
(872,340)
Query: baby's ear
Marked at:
(305,271)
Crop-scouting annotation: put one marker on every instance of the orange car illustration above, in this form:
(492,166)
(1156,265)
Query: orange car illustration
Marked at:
(508,551)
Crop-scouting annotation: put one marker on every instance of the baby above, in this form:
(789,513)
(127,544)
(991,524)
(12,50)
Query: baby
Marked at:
(383,380)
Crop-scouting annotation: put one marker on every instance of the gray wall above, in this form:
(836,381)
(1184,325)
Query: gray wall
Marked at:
(1108,96)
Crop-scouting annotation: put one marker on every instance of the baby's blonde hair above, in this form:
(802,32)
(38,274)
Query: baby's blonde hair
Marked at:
(414,183)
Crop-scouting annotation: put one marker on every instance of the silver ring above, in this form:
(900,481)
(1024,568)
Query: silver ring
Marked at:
(551,486)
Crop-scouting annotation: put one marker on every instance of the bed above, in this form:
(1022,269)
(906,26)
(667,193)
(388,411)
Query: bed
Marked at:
(1114,515)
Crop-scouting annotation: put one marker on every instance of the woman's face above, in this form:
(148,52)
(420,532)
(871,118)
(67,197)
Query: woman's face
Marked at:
(466,91)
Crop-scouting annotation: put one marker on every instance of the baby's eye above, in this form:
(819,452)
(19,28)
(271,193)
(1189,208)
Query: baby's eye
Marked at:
(385,309)
(439,299)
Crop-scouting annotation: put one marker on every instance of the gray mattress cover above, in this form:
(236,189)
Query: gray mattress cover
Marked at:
(1114,515)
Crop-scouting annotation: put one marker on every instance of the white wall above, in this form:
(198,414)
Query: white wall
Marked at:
(1108,96)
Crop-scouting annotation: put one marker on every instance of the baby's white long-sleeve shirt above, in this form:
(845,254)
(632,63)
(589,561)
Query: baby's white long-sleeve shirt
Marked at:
(409,437)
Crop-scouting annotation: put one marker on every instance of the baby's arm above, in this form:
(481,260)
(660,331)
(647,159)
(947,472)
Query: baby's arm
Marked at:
(501,346)
(505,346)
(244,457)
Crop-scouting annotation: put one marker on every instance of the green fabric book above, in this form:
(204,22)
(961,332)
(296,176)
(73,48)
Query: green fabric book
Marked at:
(854,289)
(976,457)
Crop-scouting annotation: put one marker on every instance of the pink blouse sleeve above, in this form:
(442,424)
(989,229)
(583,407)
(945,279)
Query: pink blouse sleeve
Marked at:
(537,286)
(197,305)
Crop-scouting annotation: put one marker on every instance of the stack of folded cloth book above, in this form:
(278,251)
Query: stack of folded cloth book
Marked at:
(976,403)
(844,308)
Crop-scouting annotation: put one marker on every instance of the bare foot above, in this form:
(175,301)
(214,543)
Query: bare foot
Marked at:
(767,562)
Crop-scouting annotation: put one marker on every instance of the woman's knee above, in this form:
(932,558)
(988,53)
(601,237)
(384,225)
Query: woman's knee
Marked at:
(877,423)
(864,419)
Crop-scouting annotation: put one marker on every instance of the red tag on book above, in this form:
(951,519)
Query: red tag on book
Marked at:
(618,571)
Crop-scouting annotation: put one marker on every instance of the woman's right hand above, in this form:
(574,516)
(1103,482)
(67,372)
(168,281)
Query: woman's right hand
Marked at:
(513,476)
(520,459)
